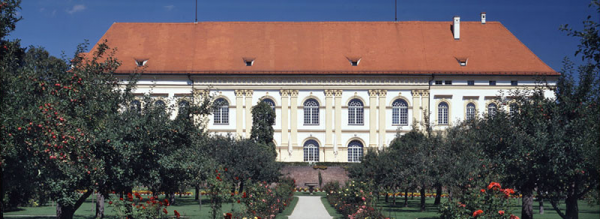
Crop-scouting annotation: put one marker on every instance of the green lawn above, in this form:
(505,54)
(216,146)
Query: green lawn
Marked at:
(186,206)
(189,209)
(413,211)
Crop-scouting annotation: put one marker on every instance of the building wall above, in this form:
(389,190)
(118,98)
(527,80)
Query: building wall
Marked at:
(333,133)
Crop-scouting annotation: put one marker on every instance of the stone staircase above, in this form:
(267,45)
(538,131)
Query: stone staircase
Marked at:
(306,174)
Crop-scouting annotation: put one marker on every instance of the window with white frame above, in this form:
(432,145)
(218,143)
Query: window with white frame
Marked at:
(136,106)
(311,112)
(492,108)
(183,106)
(355,112)
(355,151)
(513,109)
(443,113)
(221,112)
(470,111)
(399,112)
(311,151)
(271,103)
(160,105)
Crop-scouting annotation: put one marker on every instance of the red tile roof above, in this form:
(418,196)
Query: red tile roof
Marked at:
(413,47)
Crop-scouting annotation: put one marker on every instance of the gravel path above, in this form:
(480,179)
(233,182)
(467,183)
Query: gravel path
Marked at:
(309,207)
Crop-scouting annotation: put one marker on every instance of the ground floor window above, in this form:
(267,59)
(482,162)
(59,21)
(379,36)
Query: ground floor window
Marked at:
(355,151)
(311,151)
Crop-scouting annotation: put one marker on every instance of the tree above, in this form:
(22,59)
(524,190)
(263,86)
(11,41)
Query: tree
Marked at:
(263,118)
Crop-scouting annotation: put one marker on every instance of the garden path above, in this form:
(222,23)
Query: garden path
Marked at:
(309,207)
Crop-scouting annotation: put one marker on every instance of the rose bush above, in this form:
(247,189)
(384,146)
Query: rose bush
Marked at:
(356,200)
(490,202)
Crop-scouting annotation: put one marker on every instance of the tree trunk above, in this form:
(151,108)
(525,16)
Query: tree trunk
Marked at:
(422,198)
(64,212)
(527,206)
(241,186)
(438,195)
(67,212)
(386,197)
(199,198)
(394,191)
(100,205)
(572,211)
(406,198)
(172,198)
(197,193)
(449,194)
(1,193)
(541,200)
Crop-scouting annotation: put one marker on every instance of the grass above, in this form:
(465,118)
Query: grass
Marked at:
(186,206)
(288,211)
(330,209)
(413,210)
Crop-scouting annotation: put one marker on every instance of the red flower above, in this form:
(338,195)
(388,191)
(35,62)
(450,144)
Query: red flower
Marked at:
(110,202)
(501,212)
(494,185)
(244,195)
(482,190)
(177,214)
(514,217)
(121,199)
(225,169)
(166,202)
(477,213)
(238,201)
(165,211)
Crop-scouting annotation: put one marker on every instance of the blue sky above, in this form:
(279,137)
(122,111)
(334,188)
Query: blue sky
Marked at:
(60,25)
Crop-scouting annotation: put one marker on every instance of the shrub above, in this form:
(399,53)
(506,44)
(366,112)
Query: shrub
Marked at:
(355,200)
(136,208)
(490,202)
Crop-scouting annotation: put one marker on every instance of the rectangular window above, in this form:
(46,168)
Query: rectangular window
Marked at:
(470,83)
(438,82)
(492,83)
(448,82)
(514,83)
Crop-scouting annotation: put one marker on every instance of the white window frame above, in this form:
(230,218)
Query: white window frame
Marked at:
(356,112)
(400,112)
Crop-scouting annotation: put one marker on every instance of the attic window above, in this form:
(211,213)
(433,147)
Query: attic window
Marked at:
(354,61)
(249,61)
(462,61)
(140,62)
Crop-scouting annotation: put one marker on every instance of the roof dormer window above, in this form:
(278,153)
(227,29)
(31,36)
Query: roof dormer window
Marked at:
(249,61)
(462,61)
(354,61)
(140,62)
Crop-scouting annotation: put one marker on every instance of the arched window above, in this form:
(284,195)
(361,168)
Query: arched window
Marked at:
(311,151)
(355,151)
(311,112)
(443,113)
(136,106)
(513,109)
(184,105)
(270,103)
(159,103)
(355,112)
(492,108)
(399,112)
(221,112)
(470,111)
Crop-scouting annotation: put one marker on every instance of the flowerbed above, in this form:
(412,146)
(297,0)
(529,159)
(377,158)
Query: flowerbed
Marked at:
(490,202)
(355,200)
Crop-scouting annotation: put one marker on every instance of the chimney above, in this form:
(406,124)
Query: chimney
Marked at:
(456,27)
(482,17)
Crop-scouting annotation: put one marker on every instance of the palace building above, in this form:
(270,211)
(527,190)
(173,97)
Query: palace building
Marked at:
(337,88)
